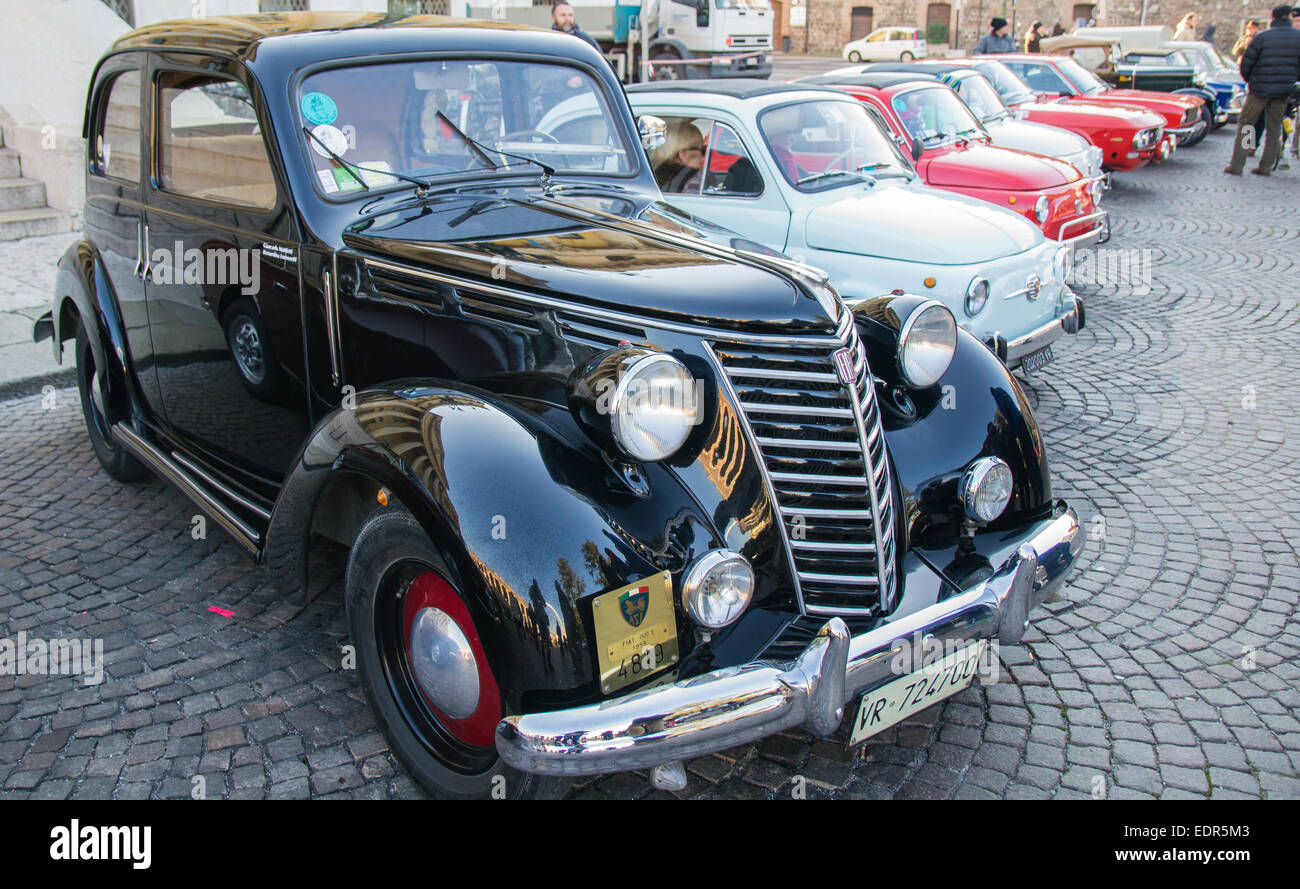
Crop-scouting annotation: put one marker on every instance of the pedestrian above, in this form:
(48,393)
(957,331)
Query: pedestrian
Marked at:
(562,20)
(1270,67)
(1058,29)
(997,40)
(1186,29)
(1238,48)
(1034,38)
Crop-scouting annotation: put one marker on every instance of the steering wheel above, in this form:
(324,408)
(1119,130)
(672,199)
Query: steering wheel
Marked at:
(519,135)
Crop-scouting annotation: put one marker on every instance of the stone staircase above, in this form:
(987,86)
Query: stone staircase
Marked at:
(23,212)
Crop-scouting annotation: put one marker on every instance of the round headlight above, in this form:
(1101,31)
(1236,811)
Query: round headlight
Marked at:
(977,295)
(653,407)
(1062,264)
(717,588)
(926,345)
(986,489)
(1041,206)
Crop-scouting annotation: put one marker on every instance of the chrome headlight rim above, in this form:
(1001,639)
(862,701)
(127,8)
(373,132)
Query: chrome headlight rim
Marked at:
(976,480)
(974,296)
(911,372)
(631,370)
(1042,207)
(694,581)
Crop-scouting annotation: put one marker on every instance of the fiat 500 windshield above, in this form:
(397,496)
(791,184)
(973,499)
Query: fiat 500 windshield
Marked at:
(365,126)
(824,143)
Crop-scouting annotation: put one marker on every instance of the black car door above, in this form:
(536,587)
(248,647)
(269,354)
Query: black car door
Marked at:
(222,289)
(114,214)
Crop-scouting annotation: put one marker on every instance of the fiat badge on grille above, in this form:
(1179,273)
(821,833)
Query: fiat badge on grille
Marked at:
(844,365)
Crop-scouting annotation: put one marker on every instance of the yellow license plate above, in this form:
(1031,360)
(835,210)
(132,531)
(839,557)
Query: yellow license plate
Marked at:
(636,631)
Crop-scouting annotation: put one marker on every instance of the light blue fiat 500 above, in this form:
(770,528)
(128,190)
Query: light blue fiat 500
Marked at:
(807,171)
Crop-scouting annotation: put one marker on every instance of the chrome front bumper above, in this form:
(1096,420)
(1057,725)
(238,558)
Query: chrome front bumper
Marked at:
(1184,133)
(738,705)
(1098,225)
(1070,321)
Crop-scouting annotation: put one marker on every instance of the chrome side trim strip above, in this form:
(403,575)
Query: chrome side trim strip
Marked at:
(223,488)
(331,333)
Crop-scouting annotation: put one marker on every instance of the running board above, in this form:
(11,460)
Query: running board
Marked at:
(171,471)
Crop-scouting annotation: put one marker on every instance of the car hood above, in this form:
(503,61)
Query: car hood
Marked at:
(557,248)
(1153,99)
(1085,112)
(987,166)
(1036,137)
(914,223)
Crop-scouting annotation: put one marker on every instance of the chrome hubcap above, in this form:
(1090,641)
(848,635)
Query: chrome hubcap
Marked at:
(443,663)
(248,350)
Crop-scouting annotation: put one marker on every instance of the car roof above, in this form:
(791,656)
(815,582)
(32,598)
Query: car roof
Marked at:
(876,80)
(736,88)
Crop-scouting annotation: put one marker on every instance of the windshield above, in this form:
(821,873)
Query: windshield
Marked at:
(980,96)
(386,119)
(934,113)
(1010,87)
(832,138)
(1084,80)
(742,4)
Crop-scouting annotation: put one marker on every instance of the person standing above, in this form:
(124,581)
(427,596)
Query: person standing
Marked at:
(1058,29)
(1034,38)
(1239,48)
(1270,66)
(997,40)
(1186,29)
(562,20)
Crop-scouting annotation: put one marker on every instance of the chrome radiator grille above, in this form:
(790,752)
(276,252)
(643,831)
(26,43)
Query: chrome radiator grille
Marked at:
(821,441)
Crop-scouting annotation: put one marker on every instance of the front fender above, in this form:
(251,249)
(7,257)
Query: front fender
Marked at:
(529,517)
(82,289)
(977,409)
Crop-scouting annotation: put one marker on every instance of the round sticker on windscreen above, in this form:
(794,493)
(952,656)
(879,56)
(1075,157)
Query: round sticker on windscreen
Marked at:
(319,108)
(329,137)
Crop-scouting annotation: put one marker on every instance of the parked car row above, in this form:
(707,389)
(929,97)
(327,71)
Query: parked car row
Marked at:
(648,433)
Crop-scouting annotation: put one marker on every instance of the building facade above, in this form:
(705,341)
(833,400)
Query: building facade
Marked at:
(822,27)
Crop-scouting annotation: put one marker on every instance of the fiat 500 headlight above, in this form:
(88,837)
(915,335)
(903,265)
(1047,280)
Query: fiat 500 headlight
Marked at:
(639,402)
(985,489)
(1041,206)
(977,295)
(926,344)
(1061,264)
(717,588)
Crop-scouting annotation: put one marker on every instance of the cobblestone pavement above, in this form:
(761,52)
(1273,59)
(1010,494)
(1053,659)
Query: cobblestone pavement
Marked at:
(1169,668)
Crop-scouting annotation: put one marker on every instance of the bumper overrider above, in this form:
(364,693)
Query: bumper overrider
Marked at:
(738,705)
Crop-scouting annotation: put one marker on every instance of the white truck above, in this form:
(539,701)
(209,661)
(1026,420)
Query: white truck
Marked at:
(687,39)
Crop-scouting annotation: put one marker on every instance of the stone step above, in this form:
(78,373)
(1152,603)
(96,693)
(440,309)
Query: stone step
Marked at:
(10,168)
(15,224)
(21,194)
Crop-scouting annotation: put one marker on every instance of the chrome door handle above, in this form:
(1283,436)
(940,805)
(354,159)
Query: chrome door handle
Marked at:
(139,259)
(147,271)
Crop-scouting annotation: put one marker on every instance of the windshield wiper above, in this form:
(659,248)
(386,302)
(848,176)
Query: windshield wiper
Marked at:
(825,174)
(480,149)
(354,169)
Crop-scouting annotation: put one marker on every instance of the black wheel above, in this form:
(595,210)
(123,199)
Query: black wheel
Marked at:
(906,56)
(855,56)
(667,72)
(251,350)
(423,667)
(116,460)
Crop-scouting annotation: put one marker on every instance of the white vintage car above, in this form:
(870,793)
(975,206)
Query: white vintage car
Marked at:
(804,170)
(887,45)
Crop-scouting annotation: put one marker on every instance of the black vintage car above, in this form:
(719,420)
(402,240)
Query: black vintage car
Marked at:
(615,495)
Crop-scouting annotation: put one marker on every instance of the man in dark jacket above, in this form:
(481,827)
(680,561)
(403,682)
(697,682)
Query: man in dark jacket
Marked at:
(1271,67)
(996,40)
(562,20)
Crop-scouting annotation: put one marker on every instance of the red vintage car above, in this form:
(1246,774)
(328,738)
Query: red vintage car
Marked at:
(953,151)
(1064,77)
(1129,136)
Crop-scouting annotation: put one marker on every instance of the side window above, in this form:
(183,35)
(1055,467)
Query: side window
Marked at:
(878,37)
(730,170)
(117,141)
(679,160)
(209,142)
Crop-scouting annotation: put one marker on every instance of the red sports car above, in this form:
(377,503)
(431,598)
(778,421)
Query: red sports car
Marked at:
(954,152)
(1129,136)
(1063,76)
